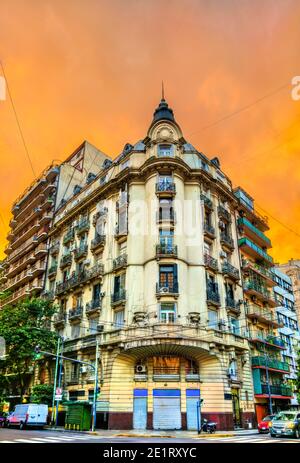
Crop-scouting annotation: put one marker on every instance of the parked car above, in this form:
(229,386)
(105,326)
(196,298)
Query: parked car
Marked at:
(263,425)
(285,424)
(3,420)
(28,415)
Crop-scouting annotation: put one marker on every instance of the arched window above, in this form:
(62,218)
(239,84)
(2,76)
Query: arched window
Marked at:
(165,150)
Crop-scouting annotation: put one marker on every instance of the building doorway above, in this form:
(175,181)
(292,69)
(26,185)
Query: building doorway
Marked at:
(237,419)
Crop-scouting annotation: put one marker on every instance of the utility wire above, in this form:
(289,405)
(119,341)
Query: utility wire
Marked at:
(17,120)
(243,108)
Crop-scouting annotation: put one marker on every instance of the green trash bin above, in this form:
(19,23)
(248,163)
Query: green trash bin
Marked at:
(78,416)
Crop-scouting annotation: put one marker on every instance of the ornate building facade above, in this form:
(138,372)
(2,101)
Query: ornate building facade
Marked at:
(145,260)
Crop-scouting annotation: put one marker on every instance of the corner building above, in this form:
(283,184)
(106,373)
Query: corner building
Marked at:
(145,260)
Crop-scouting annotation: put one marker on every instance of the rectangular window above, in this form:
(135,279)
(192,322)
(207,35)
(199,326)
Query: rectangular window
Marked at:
(93,322)
(165,150)
(96,292)
(119,319)
(166,239)
(75,331)
(166,211)
(234,325)
(212,319)
(167,313)
(168,277)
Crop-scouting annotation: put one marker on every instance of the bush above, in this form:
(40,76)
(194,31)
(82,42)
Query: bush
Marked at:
(42,394)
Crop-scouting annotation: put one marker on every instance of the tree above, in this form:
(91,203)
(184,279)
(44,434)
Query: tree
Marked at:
(42,394)
(23,327)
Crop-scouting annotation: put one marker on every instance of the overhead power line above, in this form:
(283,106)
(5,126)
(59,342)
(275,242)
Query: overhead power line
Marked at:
(17,120)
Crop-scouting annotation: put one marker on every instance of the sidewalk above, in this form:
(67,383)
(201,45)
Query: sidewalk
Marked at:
(113,433)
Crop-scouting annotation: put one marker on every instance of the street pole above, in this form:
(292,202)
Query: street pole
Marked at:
(268,383)
(59,380)
(55,380)
(95,387)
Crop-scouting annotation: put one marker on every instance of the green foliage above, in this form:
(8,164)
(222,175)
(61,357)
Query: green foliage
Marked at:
(42,394)
(23,327)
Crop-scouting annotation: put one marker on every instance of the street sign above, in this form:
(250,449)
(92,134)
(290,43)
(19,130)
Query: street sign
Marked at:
(58,393)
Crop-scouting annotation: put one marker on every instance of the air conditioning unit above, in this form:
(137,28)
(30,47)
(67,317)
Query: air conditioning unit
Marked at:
(100,328)
(140,369)
(84,369)
(223,254)
(164,289)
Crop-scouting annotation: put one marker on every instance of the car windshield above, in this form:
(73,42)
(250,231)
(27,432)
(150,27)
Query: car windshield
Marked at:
(267,418)
(285,417)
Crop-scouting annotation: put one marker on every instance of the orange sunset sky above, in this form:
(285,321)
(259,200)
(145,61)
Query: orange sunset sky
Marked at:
(92,69)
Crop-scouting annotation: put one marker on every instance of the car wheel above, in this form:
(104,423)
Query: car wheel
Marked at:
(22,426)
(272,435)
(297,434)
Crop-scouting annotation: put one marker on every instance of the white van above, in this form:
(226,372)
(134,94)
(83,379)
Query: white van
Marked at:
(28,415)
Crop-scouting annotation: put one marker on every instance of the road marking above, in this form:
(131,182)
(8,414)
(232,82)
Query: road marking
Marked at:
(27,441)
(6,441)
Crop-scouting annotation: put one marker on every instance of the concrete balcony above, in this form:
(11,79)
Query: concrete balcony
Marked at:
(165,188)
(209,231)
(80,252)
(98,242)
(166,216)
(207,202)
(226,240)
(76,314)
(83,226)
(59,319)
(66,260)
(54,248)
(166,250)
(165,289)
(69,236)
(222,212)
(80,278)
(52,271)
(230,271)
(269,340)
(260,270)
(210,262)
(213,296)
(253,288)
(255,251)
(121,234)
(272,364)
(93,307)
(232,306)
(248,229)
(41,250)
(118,297)
(120,262)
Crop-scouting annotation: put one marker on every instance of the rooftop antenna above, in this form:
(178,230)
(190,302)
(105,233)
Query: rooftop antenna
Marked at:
(162,90)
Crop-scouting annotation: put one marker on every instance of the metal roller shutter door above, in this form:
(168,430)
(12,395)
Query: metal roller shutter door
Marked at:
(140,409)
(166,409)
(192,399)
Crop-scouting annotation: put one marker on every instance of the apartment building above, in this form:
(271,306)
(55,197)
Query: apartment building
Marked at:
(32,215)
(289,331)
(145,260)
(292,269)
(271,391)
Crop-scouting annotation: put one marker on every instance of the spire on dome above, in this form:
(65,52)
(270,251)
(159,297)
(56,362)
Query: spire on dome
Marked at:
(163,111)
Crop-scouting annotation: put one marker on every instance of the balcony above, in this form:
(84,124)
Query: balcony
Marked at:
(246,208)
(33,228)
(41,250)
(222,212)
(98,242)
(226,240)
(52,270)
(38,269)
(118,297)
(120,262)
(75,314)
(165,216)
(79,278)
(49,202)
(209,231)
(49,295)
(212,295)
(66,260)
(59,319)
(254,288)
(36,286)
(246,227)
(232,305)
(272,364)
(165,188)
(46,218)
(262,315)
(230,271)
(165,289)
(121,233)
(207,202)
(93,307)
(210,262)
(166,250)
(83,226)
(54,248)
(281,391)
(263,272)
(255,251)
(80,252)
(69,236)
(166,374)
(269,340)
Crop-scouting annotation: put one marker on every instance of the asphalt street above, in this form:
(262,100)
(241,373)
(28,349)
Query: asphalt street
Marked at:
(15,436)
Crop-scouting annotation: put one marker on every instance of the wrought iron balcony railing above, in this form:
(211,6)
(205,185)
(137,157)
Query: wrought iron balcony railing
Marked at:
(165,187)
(118,296)
(83,226)
(227,240)
(166,249)
(69,236)
(277,390)
(93,306)
(222,212)
(78,278)
(276,364)
(167,288)
(230,270)
(120,262)
(210,262)
(209,230)
(98,241)
(207,202)
(76,313)
(66,260)
(212,295)
(81,251)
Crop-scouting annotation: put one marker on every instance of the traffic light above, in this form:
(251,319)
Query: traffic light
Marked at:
(37,352)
